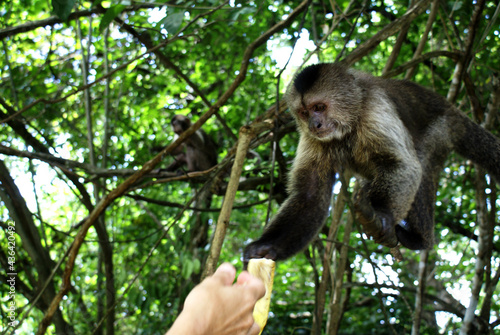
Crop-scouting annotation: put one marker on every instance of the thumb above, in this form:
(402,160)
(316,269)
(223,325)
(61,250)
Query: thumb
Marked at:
(225,274)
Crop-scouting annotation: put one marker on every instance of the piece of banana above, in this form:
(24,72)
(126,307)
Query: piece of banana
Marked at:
(263,269)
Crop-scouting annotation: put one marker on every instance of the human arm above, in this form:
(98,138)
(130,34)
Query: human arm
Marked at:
(219,307)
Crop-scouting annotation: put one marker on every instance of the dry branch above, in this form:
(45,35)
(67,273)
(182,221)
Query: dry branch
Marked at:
(337,302)
(338,210)
(396,49)
(483,250)
(247,133)
(462,65)
(419,300)
(425,36)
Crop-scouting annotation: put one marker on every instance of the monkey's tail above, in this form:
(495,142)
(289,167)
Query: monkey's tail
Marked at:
(478,145)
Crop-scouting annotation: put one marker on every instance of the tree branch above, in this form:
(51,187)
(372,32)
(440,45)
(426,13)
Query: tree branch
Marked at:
(463,63)
(387,31)
(425,36)
(247,133)
(420,59)
(51,21)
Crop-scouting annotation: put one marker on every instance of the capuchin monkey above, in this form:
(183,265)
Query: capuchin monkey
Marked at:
(394,134)
(200,152)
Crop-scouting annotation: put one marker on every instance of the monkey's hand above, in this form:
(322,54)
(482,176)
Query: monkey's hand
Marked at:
(376,224)
(259,250)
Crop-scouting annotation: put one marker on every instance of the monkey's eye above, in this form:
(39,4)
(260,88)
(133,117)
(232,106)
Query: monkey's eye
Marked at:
(319,107)
(303,113)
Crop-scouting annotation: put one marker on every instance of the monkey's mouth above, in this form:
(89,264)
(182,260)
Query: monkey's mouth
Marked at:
(330,132)
(324,133)
(321,133)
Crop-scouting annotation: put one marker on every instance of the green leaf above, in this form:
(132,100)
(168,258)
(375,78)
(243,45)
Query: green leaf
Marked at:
(188,267)
(110,15)
(173,20)
(457,5)
(243,11)
(62,8)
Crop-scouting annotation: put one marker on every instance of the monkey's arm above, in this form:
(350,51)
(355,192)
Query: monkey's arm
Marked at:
(300,217)
(179,161)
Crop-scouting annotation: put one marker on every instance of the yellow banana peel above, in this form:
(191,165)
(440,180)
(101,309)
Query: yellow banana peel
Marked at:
(263,269)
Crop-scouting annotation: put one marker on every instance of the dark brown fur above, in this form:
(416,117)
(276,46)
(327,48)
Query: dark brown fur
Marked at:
(198,152)
(393,134)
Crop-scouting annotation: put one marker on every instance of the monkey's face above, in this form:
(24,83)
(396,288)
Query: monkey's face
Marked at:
(315,119)
(180,123)
(321,115)
(325,101)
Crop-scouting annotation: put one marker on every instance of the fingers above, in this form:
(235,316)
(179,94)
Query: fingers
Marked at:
(244,277)
(254,330)
(254,285)
(225,274)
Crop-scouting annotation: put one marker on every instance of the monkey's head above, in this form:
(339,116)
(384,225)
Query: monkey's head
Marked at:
(180,123)
(326,101)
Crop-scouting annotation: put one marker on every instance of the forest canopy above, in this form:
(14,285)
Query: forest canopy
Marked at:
(100,236)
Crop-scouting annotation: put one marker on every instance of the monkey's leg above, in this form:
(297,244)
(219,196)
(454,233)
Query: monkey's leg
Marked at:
(376,224)
(299,218)
(384,202)
(417,230)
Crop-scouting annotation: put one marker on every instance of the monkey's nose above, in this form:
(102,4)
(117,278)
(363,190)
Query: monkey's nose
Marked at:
(315,124)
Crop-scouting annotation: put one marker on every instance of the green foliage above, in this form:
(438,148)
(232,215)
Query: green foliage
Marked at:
(110,15)
(63,8)
(172,22)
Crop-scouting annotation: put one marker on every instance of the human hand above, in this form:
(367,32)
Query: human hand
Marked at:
(217,306)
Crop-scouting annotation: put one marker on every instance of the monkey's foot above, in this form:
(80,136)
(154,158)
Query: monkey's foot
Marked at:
(376,224)
(382,229)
